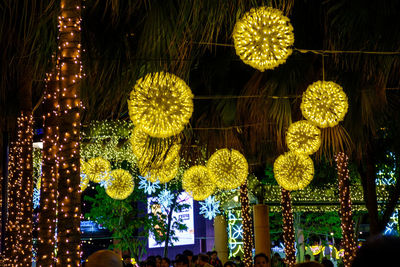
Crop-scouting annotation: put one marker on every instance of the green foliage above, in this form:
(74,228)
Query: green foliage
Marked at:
(127,223)
(322,223)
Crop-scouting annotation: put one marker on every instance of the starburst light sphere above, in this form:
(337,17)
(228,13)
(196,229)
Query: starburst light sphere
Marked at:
(161,104)
(293,171)
(162,173)
(228,168)
(164,153)
(303,137)
(120,184)
(197,182)
(324,103)
(98,169)
(263,37)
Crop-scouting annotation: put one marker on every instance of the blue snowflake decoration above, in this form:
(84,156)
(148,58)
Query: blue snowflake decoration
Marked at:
(165,199)
(106,183)
(147,186)
(393,223)
(209,208)
(36,198)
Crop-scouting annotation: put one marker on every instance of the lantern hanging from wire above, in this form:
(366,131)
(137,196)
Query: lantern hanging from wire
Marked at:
(120,184)
(303,137)
(98,169)
(263,38)
(293,171)
(197,182)
(324,103)
(228,168)
(161,104)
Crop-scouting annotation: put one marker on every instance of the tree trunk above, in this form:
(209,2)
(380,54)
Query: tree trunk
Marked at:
(69,196)
(288,228)
(48,191)
(247,226)
(345,208)
(167,236)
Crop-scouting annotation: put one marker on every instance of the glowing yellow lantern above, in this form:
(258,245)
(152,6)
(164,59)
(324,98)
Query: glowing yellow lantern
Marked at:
(228,168)
(293,171)
(303,137)
(98,169)
(161,153)
(120,184)
(198,183)
(161,104)
(324,103)
(263,37)
(163,173)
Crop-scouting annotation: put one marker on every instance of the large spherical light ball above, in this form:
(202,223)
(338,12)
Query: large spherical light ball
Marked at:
(303,137)
(163,173)
(197,182)
(163,152)
(293,171)
(228,168)
(98,169)
(161,104)
(324,103)
(120,184)
(263,37)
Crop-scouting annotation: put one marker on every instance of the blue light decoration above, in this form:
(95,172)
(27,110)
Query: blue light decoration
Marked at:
(147,186)
(165,199)
(235,233)
(209,207)
(392,228)
(386,172)
(36,198)
(90,227)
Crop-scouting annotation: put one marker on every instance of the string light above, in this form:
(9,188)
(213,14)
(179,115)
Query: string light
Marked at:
(229,168)
(97,169)
(246,225)
(70,105)
(293,171)
(348,243)
(161,104)
(198,183)
(263,37)
(324,103)
(120,185)
(288,228)
(303,137)
(163,173)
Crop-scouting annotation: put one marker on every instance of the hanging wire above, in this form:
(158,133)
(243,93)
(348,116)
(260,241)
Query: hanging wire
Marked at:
(323,67)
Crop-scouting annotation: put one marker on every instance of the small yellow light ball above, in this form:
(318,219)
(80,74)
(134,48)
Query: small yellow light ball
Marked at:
(263,37)
(293,171)
(228,168)
(324,103)
(120,184)
(303,137)
(197,182)
(159,153)
(163,173)
(161,104)
(98,169)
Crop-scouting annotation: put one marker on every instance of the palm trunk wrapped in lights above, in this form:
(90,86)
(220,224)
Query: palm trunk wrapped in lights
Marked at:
(69,196)
(345,208)
(288,228)
(48,190)
(247,226)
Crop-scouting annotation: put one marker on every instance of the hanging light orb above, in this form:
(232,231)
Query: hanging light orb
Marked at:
(263,37)
(198,183)
(303,137)
(324,103)
(161,104)
(161,152)
(228,168)
(98,169)
(293,171)
(163,173)
(120,185)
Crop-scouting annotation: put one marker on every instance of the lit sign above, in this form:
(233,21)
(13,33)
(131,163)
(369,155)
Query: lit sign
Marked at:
(90,227)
